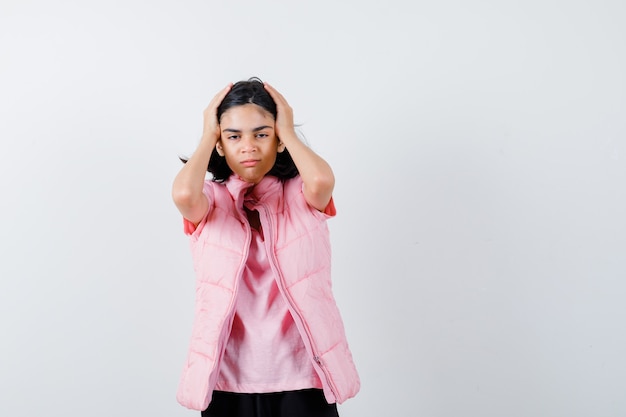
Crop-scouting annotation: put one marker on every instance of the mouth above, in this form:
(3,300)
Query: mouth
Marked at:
(250,162)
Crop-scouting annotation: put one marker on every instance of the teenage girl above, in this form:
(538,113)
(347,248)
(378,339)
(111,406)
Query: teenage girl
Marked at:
(267,338)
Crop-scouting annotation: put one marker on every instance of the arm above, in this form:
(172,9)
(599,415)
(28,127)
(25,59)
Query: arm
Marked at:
(316,174)
(189,182)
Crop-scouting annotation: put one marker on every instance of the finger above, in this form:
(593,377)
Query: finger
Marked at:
(274,93)
(220,95)
(217,99)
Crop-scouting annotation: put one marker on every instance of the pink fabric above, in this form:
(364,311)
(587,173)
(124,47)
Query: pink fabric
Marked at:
(264,352)
(298,249)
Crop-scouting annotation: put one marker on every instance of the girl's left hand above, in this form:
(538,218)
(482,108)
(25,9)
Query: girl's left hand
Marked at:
(284,118)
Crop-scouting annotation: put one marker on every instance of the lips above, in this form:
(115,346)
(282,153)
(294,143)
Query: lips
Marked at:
(250,162)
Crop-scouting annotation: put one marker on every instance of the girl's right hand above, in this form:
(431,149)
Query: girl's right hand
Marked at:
(211,127)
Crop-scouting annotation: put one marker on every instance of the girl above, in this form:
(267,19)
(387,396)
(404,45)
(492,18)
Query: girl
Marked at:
(267,337)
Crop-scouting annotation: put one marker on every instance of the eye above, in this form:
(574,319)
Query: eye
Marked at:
(262,135)
(232,137)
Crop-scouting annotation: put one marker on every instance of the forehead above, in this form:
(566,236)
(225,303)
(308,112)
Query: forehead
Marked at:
(246,115)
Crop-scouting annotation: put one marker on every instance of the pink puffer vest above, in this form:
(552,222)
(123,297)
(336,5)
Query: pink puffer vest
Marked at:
(300,258)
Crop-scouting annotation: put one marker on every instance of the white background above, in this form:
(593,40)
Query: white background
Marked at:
(479,149)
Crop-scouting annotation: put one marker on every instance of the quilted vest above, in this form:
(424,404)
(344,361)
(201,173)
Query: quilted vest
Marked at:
(300,258)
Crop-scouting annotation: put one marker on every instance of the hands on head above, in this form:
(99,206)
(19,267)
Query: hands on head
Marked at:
(211,127)
(284,123)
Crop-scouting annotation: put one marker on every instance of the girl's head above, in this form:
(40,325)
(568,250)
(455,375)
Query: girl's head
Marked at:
(248,145)
(247,92)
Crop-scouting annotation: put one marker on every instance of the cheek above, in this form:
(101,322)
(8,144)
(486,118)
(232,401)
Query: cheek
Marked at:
(228,146)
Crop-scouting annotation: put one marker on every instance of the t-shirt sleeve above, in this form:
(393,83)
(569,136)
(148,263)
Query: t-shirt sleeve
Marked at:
(191,229)
(328,212)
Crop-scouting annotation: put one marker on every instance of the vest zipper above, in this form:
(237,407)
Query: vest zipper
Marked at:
(290,302)
(231,312)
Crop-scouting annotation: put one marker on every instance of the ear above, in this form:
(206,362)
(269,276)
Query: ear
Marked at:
(219,149)
(281,146)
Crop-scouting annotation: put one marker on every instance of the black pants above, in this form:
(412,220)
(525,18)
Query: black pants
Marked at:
(302,403)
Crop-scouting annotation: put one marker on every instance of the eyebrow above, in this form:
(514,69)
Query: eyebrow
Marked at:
(256,129)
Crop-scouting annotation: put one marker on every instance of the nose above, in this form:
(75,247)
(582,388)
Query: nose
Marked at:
(248,145)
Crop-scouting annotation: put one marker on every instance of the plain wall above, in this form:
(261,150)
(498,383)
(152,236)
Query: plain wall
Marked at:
(479,253)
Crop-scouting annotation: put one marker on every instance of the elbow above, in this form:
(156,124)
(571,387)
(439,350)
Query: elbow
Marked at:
(192,205)
(322,184)
(318,191)
(183,197)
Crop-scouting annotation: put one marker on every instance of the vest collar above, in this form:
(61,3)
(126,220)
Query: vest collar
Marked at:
(264,191)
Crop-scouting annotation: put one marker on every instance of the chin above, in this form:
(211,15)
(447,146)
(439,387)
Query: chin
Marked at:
(253,180)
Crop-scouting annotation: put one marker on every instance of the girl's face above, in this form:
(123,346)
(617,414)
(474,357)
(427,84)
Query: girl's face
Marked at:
(248,141)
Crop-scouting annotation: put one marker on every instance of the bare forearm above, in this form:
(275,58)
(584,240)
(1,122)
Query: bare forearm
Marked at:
(188,184)
(316,173)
